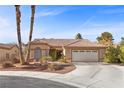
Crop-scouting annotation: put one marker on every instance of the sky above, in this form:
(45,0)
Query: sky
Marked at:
(63,22)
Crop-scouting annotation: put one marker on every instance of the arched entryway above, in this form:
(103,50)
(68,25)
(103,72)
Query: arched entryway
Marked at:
(37,53)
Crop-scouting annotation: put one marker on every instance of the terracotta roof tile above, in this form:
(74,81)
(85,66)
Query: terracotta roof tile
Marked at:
(69,42)
(84,43)
(7,46)
(55,42)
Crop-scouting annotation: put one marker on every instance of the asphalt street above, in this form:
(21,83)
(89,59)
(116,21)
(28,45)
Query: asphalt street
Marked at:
(26,82)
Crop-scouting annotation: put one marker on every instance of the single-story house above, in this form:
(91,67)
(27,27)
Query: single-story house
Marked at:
(8,52)
(74,50)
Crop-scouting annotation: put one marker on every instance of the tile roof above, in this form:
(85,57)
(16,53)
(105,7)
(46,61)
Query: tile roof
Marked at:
(68,42)
(55,42)
(7,46)
(84,43)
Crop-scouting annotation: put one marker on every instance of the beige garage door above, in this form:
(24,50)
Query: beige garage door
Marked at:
(85,55)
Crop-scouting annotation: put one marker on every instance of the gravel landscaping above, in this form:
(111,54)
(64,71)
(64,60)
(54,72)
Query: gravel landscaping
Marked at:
(59,68)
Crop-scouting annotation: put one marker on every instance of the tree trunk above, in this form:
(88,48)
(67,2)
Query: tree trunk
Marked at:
(18,16)
(31,31)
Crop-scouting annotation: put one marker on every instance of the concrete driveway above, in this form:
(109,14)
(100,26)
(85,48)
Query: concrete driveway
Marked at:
(93,75)
(99,75)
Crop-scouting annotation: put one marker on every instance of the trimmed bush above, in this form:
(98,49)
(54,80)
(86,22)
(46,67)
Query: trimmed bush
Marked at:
(7,65)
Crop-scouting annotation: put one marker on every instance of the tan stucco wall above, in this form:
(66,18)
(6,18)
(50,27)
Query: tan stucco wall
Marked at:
(14,51)
(3,53)
(32,54)
(101,54)
(10,52)
(44,50)
(68,52)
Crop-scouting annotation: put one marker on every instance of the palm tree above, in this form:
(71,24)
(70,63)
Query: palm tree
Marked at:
(18,16)
(31,31)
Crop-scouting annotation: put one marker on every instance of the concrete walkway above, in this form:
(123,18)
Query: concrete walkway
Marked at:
(86,75)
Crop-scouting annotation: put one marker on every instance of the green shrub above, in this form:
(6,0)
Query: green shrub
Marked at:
(7,65)
(53,54)
(121,55)
(49,58)
(63,60)
(43,59)
(114,54)
(111,54)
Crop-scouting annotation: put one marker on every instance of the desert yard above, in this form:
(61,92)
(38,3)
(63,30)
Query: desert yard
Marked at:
(52,67)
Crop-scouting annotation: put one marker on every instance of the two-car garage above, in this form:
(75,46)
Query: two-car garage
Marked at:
(84,55)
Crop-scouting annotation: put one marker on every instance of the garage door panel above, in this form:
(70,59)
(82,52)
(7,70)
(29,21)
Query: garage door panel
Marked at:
(85,55)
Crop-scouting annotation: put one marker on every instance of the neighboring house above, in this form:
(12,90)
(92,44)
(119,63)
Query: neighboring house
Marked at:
(8,52)
(73,50)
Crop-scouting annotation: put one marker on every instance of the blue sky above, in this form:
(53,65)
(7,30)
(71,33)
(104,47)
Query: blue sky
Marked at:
(63,22)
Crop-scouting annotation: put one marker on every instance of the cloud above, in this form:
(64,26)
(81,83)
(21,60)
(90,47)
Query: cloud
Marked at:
(87,21)
(112,11)
(52,12)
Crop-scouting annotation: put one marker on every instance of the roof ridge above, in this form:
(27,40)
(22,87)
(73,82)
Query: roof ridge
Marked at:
(54,39)
(7,46)
(73,42)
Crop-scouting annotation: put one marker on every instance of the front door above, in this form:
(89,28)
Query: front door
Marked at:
(37,54)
